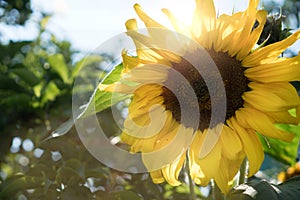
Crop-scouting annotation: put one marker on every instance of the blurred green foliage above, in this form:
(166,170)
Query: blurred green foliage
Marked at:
(33,74)
(288,11)
(15,12)
(62,168)
(285,152)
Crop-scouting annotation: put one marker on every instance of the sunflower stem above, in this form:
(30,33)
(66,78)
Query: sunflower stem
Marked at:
(243,172)
(191,182)
(217,192)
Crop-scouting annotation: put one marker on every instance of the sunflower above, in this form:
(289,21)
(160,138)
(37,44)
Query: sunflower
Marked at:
(256,81)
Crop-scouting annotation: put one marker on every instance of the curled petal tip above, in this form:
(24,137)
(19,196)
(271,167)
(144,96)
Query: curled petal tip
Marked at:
(131,24)
(137,6)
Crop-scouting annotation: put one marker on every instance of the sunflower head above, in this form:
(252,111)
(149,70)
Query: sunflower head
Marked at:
(203,92)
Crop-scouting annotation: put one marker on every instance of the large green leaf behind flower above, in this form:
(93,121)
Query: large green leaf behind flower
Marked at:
(99,101)
(285,152)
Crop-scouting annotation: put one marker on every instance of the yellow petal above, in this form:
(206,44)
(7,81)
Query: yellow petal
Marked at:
(258,121)
(130,62)
(158,46)
(226,26)
(131,25)
(178,138)
(195,170)
(271,52)
(231,143)
(254,35)
(157,119)
(139,121)
(210,140)
(222,178)
(171,171)
(272,97)
(146,89)
(157,176)
(209,164)
(252,146)
(117,87)
(204,22)
(227,170)
(138,110)
(143,51)
(149,22)
(168,147)
(196,173)
(139,145)
(145,141)
(177,24)
(235,165)
(142,106)
(284,117)
(161,36)
(148,73)
(283,70)
(244,28)
(298,113)
(127,139)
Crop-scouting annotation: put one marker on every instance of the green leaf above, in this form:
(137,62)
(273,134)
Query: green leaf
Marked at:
(61,130)
(125,195)
(44,22)
(114,75)
(7,83)
(76,193)
(262,190)
(98,172)
(17,101)
(13,185)
(58,64)
(26,75)
(102,100)
(67,175)
(290,189)
(76,165)
(38,89)
(50,93)
(84,63)
(285,152)
(40,169)
(39,193)
(99,101)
